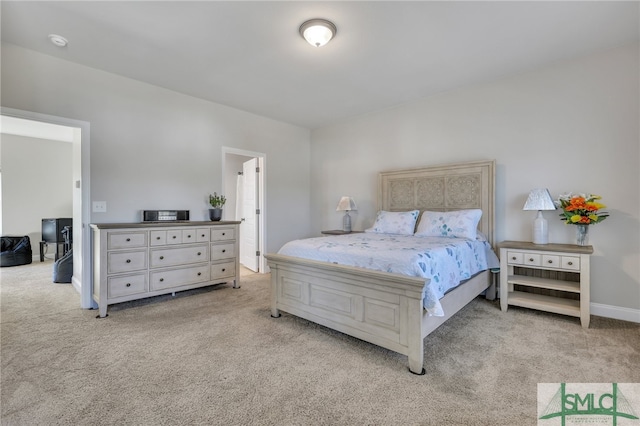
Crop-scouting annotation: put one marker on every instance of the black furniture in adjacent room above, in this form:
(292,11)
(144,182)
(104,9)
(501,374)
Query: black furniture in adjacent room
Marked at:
(15,251)
(53,232)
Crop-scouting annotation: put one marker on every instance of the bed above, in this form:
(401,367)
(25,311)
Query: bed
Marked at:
(385,307)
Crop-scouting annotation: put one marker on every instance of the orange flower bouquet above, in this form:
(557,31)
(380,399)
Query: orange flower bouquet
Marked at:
(581,209)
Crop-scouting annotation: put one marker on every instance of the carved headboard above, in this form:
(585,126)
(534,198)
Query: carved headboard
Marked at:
(442,188)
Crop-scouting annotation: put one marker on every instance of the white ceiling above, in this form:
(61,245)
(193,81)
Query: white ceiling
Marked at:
(249,55)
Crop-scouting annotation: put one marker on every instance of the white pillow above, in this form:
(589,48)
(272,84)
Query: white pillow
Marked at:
(458,223)
(395,222)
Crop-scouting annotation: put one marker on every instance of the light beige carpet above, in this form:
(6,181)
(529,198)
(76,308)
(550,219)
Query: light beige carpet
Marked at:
(215,357)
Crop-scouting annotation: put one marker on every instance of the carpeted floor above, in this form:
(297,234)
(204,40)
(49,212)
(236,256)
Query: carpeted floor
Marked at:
(214,356)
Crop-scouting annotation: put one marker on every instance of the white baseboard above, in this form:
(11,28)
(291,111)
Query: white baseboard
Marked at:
(615,312)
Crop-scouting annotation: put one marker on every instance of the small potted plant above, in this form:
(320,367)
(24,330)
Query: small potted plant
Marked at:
(216,201)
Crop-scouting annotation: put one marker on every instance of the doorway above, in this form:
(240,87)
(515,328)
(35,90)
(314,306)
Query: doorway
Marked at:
(244,182)
(82,274)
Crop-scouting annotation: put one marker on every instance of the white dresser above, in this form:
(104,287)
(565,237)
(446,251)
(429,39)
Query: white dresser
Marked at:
(137,260)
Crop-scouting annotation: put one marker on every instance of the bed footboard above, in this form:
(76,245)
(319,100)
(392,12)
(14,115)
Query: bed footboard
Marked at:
(378,307)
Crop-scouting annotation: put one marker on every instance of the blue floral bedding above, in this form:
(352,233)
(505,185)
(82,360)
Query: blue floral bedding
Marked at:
(444,261)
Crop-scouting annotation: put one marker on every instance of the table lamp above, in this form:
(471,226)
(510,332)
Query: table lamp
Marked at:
(346,204)
(540,199)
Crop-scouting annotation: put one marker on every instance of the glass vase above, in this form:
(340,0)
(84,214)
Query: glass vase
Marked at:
(582,235)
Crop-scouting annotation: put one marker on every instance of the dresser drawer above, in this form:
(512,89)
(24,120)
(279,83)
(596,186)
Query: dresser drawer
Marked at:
(126,261)
(173,236)
(125,285)
(160,280)
(223,234)
(223,251)
(179,255)
(124,240)
(202,235)
(189,236)
(158,238)
(223,270)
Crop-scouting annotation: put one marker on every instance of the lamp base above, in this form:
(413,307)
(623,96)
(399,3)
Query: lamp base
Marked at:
(346,222)
(540,230)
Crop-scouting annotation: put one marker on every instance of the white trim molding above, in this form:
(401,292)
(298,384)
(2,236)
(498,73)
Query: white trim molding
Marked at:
(615,312)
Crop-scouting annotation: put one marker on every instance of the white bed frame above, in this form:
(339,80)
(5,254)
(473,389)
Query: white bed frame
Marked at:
(383,308)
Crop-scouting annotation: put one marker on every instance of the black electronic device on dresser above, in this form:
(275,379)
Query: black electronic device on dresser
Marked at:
(54,232)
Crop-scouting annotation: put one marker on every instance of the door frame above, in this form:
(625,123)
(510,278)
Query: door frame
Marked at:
(82,284)
(262,196)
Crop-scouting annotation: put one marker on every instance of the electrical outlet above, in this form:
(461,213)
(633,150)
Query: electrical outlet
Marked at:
(99,206)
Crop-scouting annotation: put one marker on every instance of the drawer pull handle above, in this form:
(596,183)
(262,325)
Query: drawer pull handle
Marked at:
(128,239)
(223,269)
(188,236)
(174,237)
(157,238)
(513,258)
(202,235)
(199,273)
(161,257)
(549,261)
(569,263)
(531,259)
(128,260)
(199,253)
(223,251)
(128,285)
(161,279)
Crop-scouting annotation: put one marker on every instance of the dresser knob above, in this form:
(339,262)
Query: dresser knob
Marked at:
(202,235)
(569,263)
(199,273)
(128,239)
(174,237)
(531,259)
(188,236)
(223,251)
(223,234)
(161,257)
(161,279)
(513,258)
(157,238)
(199,253)
(549,261)
(223,269)
(128,260)
(128,285)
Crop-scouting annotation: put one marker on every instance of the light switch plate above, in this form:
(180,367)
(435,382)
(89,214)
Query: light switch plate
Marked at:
(99,206)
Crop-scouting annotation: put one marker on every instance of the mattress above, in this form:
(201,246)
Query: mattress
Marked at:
(444,262)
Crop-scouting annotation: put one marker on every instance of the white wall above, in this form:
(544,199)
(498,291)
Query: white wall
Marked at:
(572,126)
(37,183)
(152,148)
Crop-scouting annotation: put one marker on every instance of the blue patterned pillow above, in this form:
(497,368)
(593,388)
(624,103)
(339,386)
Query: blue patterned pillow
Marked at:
(458,223)
(395,222)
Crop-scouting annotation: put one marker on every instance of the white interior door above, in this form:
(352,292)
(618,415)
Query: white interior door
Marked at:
(249,225)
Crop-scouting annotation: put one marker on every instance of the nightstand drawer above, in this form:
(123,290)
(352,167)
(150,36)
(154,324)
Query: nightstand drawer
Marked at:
(532,259)
(515,257)
(551,261)
(570,262)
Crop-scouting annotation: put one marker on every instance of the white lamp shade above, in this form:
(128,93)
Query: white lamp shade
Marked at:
(539,199)
(346,204)
(318,32)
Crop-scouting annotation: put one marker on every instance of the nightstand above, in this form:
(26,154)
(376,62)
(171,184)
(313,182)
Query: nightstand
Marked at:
(547,277)
(340,232)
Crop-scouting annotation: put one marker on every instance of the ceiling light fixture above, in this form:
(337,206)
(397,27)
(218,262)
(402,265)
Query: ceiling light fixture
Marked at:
(58,40)
(318,32)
